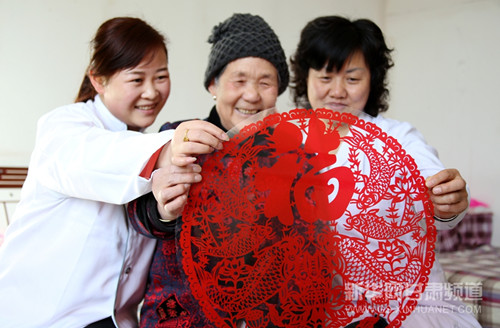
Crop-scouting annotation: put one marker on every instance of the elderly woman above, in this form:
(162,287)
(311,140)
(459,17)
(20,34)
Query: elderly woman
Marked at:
(342,65)
(246,72)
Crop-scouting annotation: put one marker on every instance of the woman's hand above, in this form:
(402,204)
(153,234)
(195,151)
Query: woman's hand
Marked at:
(448,193)
(191,138)
(171,188)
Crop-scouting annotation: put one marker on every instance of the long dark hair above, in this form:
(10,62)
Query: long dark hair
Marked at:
(331,40)
(119,43)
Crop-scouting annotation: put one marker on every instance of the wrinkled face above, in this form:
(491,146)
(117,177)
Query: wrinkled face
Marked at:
(344,90)
(247,86)
(137,95)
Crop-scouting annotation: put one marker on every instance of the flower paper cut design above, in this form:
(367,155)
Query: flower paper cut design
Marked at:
(294,225)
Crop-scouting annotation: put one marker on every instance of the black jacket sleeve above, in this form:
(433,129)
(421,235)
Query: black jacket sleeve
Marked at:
(147,214)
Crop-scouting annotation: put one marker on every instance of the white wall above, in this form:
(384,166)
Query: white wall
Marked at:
(444,81)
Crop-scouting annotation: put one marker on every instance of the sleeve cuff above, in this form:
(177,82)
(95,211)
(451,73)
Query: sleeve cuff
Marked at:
(150,165)
(155,218)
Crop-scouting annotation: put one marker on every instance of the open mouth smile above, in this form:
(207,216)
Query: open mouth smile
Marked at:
(247,111)
(146,107)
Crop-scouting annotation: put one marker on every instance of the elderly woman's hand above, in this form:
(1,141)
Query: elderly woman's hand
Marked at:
(448,193)
(171,187)
(191,138)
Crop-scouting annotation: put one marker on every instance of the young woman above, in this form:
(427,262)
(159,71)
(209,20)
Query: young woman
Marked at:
(69,258)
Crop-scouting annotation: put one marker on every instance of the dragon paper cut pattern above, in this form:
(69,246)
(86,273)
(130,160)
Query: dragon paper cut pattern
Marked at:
(296,226)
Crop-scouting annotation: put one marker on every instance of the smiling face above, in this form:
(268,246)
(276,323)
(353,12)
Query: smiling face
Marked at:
(344,90)
(136,96)
(246,86)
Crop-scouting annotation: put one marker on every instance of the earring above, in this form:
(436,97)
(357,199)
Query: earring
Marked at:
(214,97)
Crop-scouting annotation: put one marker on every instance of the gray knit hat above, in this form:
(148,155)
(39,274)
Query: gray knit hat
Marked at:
(245,35)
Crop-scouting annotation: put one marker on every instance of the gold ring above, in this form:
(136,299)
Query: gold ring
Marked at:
(186,139)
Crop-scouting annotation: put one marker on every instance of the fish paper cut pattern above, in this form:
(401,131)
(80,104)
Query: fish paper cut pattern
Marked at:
(294,225)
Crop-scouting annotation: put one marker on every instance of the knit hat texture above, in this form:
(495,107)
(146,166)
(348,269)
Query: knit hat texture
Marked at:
(245,35)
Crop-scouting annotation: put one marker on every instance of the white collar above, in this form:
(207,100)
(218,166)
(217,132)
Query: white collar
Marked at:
(111,122)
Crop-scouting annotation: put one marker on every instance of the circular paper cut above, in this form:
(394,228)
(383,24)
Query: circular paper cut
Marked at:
(294,225)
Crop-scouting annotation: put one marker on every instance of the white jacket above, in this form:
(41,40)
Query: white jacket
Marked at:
(69,257)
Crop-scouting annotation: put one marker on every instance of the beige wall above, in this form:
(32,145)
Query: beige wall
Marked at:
(444,81)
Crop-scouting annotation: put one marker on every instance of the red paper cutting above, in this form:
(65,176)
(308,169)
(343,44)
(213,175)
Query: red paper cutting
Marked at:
(296,226)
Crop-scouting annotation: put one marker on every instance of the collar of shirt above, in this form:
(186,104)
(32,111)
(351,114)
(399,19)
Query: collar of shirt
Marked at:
(108,119)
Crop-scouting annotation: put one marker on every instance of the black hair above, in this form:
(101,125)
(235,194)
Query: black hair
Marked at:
(330,41)
(120,43)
